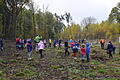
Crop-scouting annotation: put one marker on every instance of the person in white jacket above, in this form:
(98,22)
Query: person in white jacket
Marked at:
(41,47)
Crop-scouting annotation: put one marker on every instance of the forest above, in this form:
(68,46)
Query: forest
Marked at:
(20,18)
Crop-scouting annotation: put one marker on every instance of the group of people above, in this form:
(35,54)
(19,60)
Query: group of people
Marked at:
(82,47)
(38,44)
(110,47)
(75,46)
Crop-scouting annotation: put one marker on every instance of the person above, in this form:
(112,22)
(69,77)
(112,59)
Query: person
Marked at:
(37,39)
(110,49)
(83,52)
(75,49)
(88,51)
(22,44)
(102,42)
(45,43)
(66,48)
(83,40)
(114,48)
(50,42)
(71,40)
(59,43)
(54,43)
(29,49)
(18,43)
(41,47)
(1,44)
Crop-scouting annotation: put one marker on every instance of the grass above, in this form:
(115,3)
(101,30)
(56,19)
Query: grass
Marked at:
(101,71)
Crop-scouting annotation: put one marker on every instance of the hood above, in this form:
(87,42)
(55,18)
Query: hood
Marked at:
(87,44)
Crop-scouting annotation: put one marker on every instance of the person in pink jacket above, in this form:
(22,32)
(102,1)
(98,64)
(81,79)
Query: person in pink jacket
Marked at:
(41,47)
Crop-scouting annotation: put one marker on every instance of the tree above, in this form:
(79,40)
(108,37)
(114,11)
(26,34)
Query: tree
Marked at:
(71,32)
(14,7)
(68,18)
(87,21)
(114,16)
(33,8)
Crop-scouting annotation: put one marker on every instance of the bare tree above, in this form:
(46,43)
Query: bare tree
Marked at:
(87,21)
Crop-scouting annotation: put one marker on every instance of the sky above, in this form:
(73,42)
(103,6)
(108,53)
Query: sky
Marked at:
(79,9)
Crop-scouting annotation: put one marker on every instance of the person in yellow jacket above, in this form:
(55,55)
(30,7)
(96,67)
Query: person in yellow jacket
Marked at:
(50,42)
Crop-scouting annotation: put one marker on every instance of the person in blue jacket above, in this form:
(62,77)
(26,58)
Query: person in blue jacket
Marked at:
(110,49)
(54,43)
(29,49)
(88,51)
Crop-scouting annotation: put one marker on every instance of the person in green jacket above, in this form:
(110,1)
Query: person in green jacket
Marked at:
(37,39)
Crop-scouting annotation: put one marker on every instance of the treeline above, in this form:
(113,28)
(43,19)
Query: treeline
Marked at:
(20,18)
(94,31)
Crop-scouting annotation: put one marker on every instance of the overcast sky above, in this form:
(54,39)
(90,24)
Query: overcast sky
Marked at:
(80,9)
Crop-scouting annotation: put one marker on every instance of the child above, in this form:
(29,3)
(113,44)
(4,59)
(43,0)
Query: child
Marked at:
(18,43)
(66,48)
(83,52)
(75,49)
(59,42)
(54,43)
(50,42)
(45,43)
(1,44)
(29,49)
(88,51)
(41,47)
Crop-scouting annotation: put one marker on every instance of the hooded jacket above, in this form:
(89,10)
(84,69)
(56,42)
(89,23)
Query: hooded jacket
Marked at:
(87,48)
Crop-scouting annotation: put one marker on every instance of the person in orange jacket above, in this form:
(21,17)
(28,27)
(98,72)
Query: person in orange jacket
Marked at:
(102,42)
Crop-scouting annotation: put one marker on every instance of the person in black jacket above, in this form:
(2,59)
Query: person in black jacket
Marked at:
(110,49)
(66,48)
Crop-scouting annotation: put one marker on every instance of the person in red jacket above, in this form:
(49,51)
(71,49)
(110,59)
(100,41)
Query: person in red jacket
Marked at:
(83,52)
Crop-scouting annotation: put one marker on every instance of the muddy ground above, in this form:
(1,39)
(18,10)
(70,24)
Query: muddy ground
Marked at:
(14,65)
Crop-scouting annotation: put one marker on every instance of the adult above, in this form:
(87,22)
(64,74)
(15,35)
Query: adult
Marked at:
(66,48)
(102,42)
(110,49)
